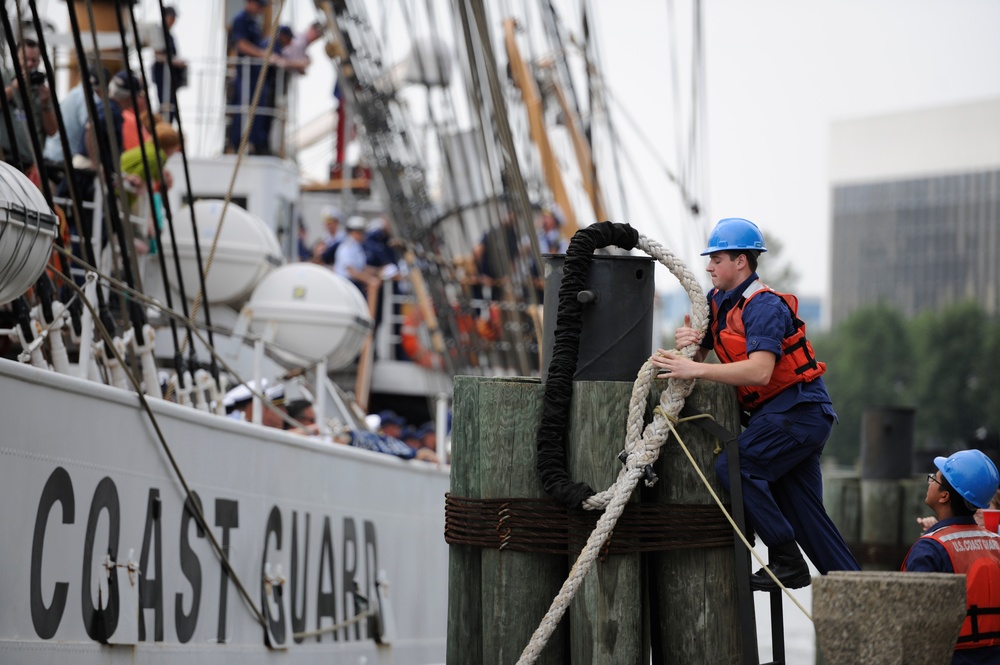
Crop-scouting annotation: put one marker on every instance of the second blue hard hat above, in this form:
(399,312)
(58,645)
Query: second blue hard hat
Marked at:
(973,475)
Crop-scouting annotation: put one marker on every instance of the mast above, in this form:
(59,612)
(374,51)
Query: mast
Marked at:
(581,147)
(525,82)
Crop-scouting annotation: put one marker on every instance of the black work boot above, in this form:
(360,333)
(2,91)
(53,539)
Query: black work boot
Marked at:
(788,566)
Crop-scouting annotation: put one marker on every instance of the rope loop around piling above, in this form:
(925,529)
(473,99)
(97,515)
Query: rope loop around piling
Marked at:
(642,444)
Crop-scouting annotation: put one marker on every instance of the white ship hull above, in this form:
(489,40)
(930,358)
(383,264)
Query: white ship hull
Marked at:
(84,476)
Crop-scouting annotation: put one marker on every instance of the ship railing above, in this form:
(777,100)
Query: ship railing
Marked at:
(140,224)
(219,92)
(398,303)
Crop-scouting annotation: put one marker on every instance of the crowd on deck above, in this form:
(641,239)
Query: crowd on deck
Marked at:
(29,112)
(384,432)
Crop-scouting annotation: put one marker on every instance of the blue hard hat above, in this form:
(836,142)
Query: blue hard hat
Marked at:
(973,475)
(735,233)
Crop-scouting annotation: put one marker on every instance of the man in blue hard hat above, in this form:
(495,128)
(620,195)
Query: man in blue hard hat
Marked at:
(963,483)
(788,415)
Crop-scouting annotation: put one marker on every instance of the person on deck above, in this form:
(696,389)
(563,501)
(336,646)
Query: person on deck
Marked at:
(964,482)
(391,424)
(788,414)
(550,238)
(498,257)
(134,130)
(73,107)
(168,79)
(351,261)
(251,48)
(294,51)
(325,251)
(239,403)
(30,56)
(134,174)
(302,412)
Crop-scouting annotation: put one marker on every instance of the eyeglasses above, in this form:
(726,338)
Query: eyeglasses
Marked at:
(932,478)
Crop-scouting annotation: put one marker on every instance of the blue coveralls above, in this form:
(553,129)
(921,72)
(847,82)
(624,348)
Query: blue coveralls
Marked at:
(928,556)
(780,448)
(245,26)
(167,94)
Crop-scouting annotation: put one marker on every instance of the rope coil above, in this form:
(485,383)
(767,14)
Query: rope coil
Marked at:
(642,445)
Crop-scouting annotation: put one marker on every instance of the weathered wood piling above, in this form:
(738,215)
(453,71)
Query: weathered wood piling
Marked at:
(876,508)
(679,604)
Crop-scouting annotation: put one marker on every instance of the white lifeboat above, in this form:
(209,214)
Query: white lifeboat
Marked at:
(307,312)
(27,229)
(246,252)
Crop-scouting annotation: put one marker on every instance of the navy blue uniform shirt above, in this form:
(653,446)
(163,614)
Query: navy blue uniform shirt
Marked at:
(767,320)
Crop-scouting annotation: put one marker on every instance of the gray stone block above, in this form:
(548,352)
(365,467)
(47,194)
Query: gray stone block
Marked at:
(888,618)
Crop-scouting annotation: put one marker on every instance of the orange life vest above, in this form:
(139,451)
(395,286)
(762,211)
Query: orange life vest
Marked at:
(797,363)
(975,552)
(415,340)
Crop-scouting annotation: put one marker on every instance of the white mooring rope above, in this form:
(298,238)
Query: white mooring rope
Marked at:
(641,446)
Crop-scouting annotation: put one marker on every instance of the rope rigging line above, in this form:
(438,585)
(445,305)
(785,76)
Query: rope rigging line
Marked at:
(642,444)
(20,76)
(105,149)
(196,237)
(147,176)
(240,154)
(64,145)
(161,439)
(123,289)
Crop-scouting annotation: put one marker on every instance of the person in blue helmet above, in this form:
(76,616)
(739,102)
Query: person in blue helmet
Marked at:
(788,415)
(963,483)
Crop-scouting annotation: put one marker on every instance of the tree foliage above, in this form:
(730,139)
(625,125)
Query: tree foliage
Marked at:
(942,363)
(870,363)
(952,381)
(774,270)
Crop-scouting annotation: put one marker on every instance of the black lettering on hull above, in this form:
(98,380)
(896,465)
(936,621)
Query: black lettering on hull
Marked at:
(227,516)
(276,625)
(58,489)
(151,586)
(326,602)
(191,568)
(299,607)
(338,591)
(350,576)
(101,622)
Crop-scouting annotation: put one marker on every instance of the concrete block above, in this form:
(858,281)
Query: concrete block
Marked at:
(888,618)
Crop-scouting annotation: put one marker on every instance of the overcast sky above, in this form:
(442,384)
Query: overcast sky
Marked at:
(777,72)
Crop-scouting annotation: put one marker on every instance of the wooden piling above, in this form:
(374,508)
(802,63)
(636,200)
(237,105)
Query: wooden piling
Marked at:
(516,587)
(465,617)
(914,491)
(498,597)
(842,499)
(606,615)
(694,590)
(881,510)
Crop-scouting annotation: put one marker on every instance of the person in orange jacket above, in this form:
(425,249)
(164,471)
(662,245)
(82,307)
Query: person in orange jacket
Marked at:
(964,483)
(764,353)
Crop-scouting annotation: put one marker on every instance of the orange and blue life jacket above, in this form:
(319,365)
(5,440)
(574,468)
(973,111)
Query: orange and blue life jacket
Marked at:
(797,363)
(975,553)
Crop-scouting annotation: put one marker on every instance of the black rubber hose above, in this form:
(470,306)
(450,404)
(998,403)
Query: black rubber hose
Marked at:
(551,439)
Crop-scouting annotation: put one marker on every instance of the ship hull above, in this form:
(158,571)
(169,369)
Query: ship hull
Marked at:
(89,490)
